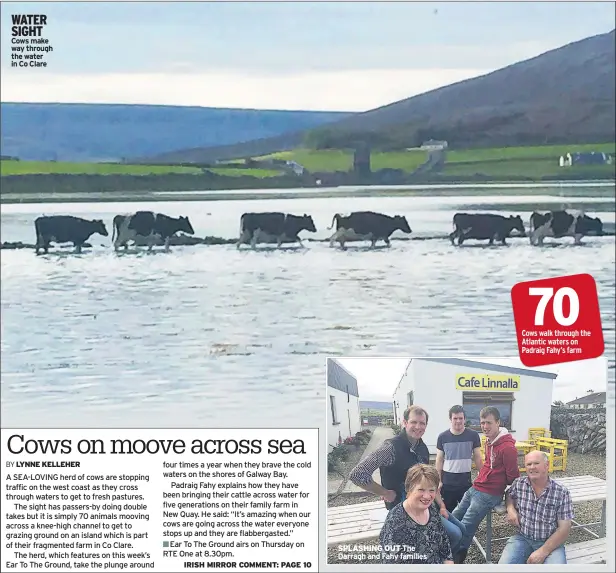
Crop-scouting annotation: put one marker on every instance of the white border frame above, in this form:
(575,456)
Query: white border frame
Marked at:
(610,506)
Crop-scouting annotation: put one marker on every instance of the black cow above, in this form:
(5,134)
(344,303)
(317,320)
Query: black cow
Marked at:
(148,225)
(367,226)
(269,226)
(66,229)
(558,224)
(481,226)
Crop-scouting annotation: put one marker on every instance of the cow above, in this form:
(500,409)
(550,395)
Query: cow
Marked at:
(66,229)
(366,226)
(482,226)
(273,225)
(148,225)
(558,224)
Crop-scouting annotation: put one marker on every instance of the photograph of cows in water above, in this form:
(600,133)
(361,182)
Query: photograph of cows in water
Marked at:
(150,229)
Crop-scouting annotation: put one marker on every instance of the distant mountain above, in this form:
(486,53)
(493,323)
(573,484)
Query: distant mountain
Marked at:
(104,132)
(566,95)
(369,405)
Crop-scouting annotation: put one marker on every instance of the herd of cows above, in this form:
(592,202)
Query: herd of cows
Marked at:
(149,228)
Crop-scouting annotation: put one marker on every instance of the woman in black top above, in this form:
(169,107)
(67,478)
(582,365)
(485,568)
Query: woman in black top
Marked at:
(413,532)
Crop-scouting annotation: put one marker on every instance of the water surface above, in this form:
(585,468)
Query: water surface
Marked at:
(212,336)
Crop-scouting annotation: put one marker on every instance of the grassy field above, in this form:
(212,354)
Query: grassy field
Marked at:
(535,162)
(342,160)
(550,152)
(10,167)
(533,168)
(40,181)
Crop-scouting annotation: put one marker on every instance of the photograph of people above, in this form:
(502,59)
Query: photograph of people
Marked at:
(413,531)
(542,511)
(393,459)
(521,456)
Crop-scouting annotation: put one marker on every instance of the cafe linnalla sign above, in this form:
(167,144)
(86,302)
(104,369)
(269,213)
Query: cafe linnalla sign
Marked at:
(488,382)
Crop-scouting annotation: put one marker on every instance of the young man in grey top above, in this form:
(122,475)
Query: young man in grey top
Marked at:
(456,449)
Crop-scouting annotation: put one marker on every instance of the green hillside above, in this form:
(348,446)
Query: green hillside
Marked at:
(534,162)
(563,96)
(11,167)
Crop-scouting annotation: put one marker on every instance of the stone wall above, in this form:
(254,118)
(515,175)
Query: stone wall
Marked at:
(584,429)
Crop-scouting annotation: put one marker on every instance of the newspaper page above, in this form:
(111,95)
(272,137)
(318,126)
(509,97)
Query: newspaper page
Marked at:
(308,286)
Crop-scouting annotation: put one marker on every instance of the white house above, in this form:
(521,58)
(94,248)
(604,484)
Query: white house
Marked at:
(343,414)
(523,396)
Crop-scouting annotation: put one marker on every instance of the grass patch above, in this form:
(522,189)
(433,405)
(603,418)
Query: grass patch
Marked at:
(313,160)
(342,160)
(10,167)
(501,163)
(537,152)
(528,168)
(532,161)
(231,172)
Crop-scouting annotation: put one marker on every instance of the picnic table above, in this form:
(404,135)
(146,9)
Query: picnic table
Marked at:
(353,523)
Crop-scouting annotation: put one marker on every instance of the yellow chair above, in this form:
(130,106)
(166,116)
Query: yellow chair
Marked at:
(556,450)
(534,433)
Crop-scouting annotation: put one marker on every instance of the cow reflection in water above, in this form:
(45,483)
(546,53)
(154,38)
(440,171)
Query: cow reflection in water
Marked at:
(273,227)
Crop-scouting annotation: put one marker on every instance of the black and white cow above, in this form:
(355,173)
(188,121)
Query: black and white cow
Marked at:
(149,226)
(66,229)
(482,226)
(267,227)
(366,226)
(558,224)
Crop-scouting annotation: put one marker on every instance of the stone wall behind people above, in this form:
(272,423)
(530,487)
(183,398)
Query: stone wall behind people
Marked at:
(584,429)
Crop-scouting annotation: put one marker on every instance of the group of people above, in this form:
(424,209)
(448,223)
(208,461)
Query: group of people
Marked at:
(435,510)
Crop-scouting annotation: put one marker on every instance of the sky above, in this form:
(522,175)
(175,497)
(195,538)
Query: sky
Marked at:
(377,378)
(338,56)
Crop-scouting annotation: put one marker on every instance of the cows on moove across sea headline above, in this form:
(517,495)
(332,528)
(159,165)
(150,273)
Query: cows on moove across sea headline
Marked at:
(18,444)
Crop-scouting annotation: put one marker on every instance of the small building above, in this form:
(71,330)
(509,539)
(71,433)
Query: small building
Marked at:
(588,158)
(523,396)
(594,400)
(343,413)
(433,145)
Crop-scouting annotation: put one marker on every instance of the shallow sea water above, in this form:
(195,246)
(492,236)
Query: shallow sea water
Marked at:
(209,336)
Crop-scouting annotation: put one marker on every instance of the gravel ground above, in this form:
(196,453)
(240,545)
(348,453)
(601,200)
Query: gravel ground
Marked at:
(585,512)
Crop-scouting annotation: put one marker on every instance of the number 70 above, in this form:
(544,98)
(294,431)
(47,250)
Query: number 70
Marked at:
(557,304)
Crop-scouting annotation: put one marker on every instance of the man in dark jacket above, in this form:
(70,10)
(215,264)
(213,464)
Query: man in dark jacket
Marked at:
(393,458)
(498,471)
